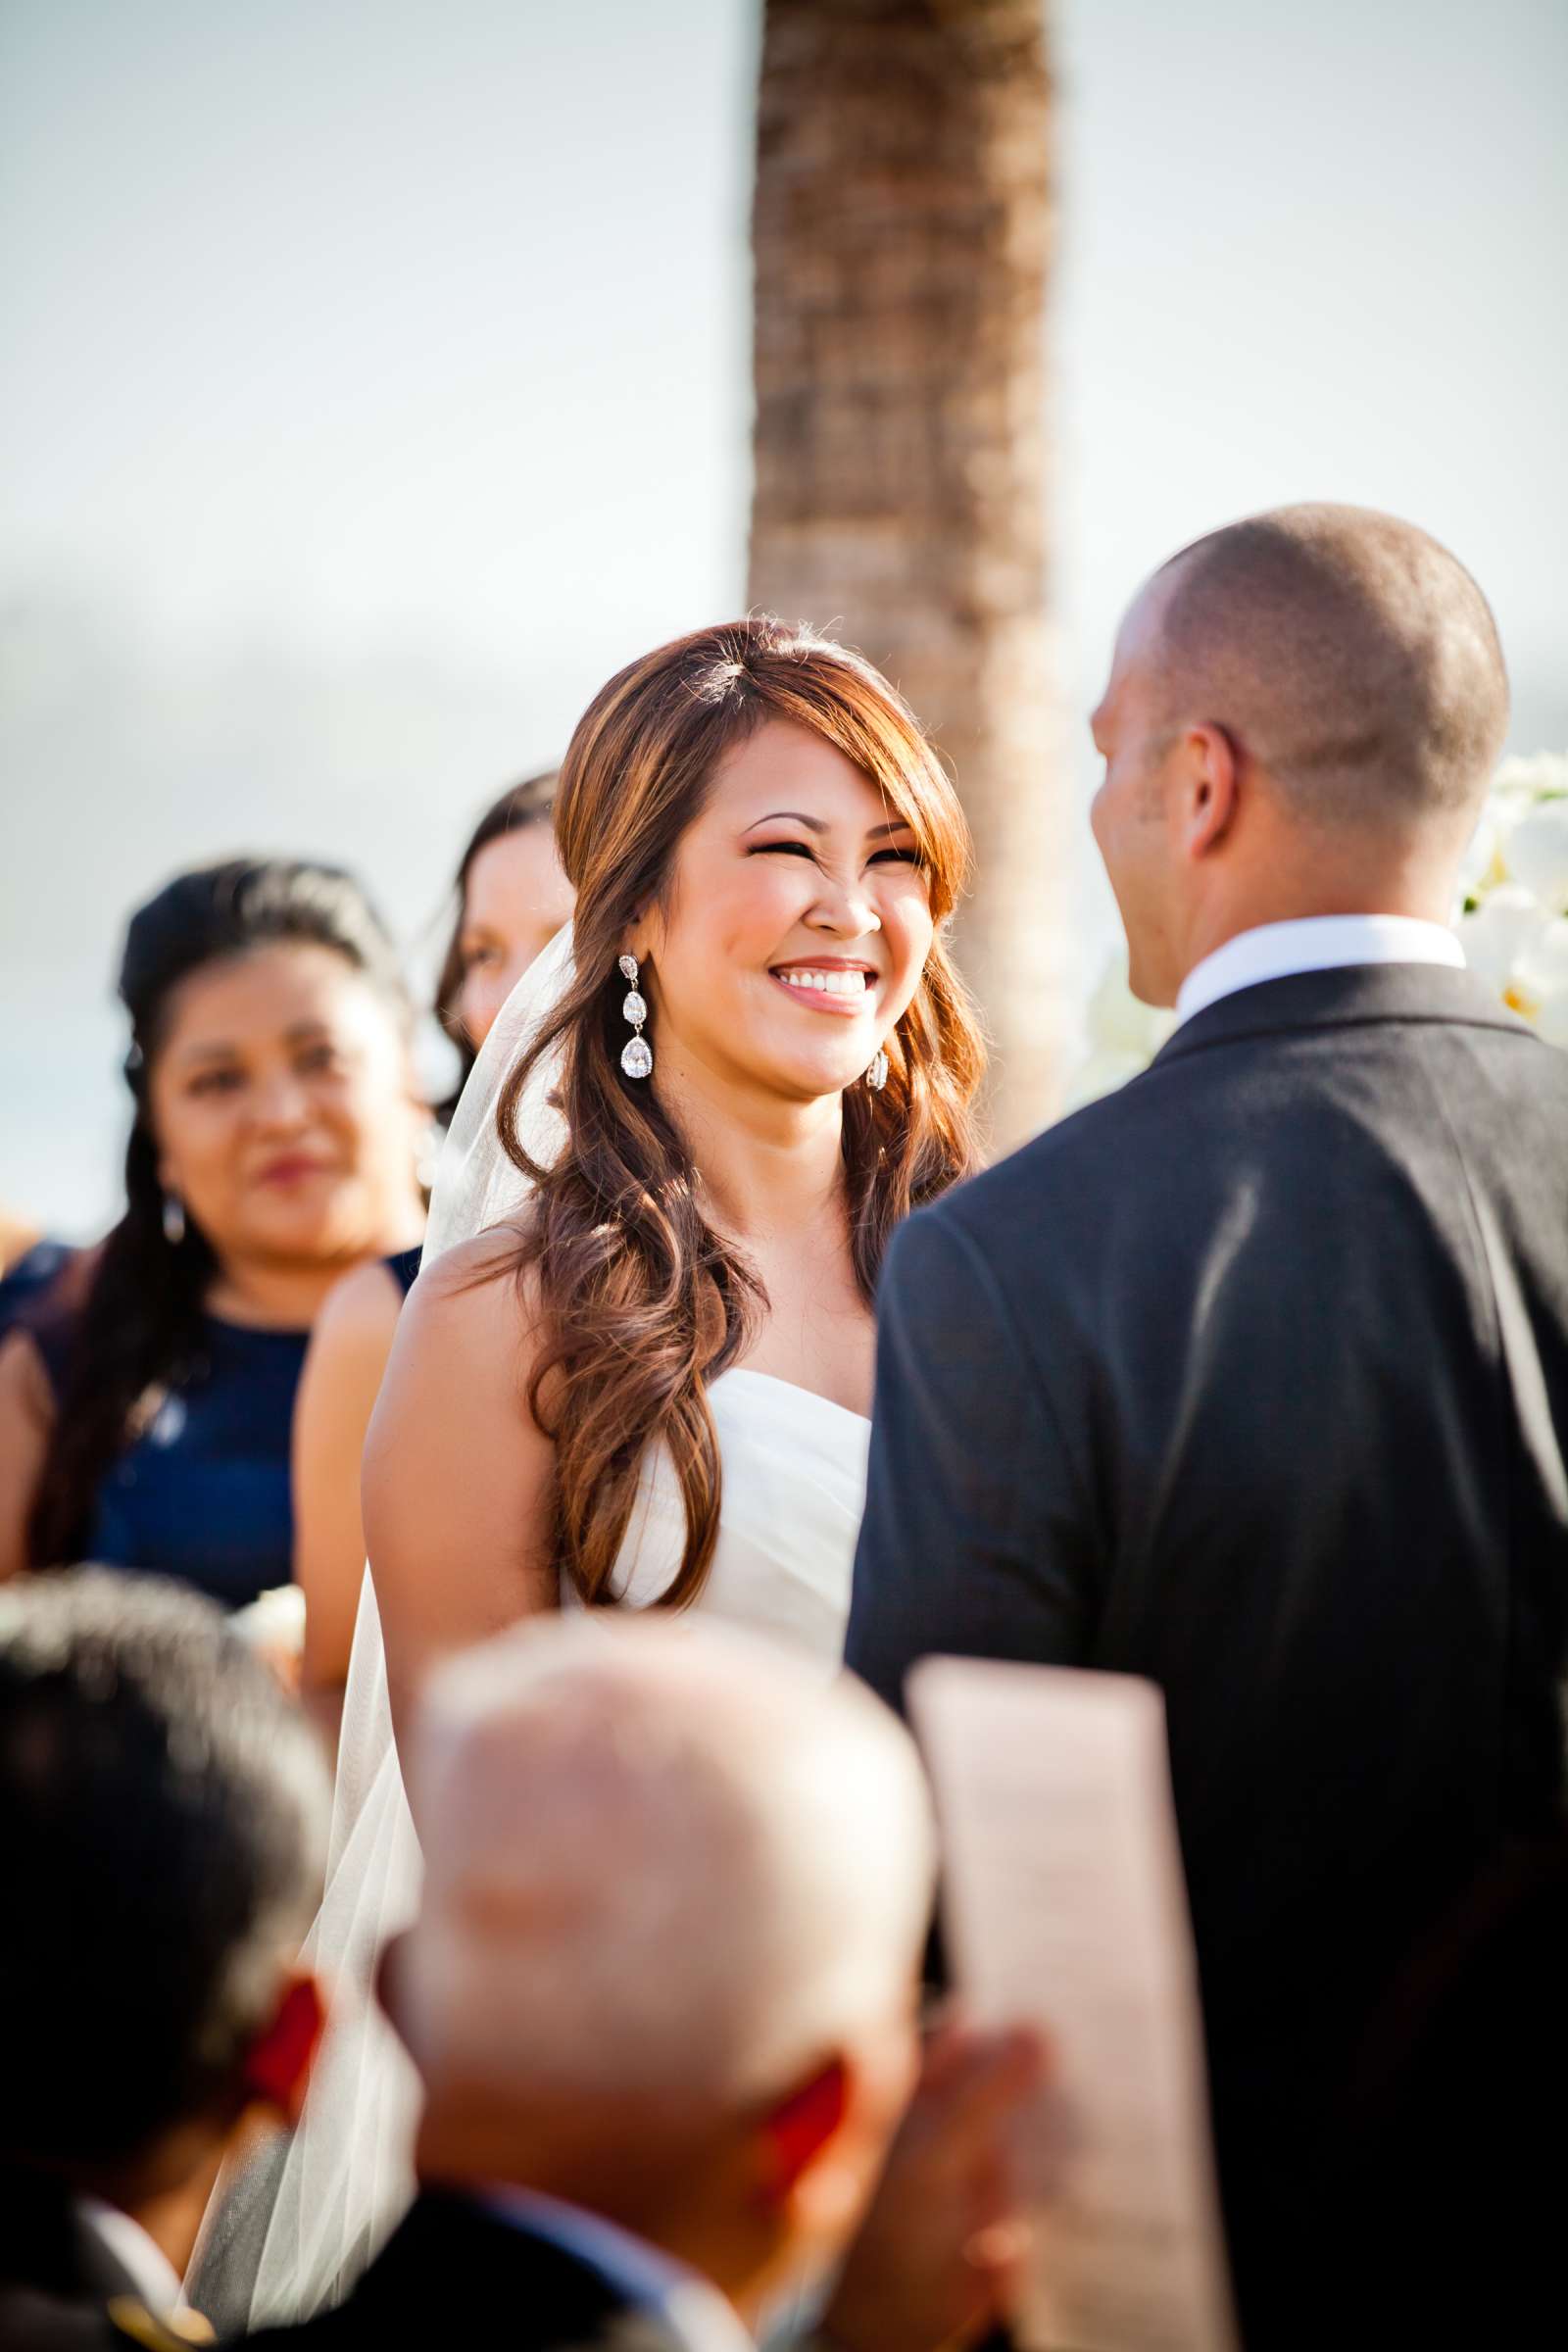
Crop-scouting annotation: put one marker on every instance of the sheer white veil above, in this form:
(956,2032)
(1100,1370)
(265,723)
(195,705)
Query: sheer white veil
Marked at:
(291,2225)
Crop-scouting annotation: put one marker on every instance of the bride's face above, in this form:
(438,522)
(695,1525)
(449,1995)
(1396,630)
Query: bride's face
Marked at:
(796,923)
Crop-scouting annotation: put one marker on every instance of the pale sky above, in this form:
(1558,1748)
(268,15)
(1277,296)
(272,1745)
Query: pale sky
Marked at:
(374,382)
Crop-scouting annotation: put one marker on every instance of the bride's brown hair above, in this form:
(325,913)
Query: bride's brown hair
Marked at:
(641,1302)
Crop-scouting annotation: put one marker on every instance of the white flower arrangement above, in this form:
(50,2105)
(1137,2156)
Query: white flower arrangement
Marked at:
(1124,1035)
(1513,921)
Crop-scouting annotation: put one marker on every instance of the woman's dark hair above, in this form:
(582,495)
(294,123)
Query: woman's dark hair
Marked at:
(644,1301)
(162,1827)
(128,1318)
(529,803)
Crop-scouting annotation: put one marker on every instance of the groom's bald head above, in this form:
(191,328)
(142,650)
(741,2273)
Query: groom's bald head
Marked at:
(1301,720)
(1346,653)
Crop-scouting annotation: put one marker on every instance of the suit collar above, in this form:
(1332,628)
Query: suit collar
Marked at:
(123,2258)
(452,2251)
(1348,996)
(644,2275)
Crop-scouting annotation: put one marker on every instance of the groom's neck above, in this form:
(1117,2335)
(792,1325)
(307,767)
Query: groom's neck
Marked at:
(1382,881)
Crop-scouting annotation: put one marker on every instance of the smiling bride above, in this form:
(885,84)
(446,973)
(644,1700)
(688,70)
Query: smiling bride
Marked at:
(649,1385)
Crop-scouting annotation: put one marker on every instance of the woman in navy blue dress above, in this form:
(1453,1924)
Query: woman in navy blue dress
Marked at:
(146,1401)
(512,898)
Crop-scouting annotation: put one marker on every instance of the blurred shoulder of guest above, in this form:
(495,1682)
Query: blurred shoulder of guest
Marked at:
(512,898)
(18,1236)
(146,1401)
(30,1274)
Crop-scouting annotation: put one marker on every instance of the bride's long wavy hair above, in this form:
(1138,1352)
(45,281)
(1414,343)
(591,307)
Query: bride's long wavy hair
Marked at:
(641,1302)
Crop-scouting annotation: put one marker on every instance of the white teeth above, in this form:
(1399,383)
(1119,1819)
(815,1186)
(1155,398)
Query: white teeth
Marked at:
(832,984)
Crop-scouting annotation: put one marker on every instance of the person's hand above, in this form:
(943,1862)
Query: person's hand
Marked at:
(939,2256)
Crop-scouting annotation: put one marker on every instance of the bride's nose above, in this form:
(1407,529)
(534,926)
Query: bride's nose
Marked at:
(845,913)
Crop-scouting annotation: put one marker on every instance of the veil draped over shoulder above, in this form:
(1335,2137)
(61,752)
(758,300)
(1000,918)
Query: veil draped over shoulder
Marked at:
(293,2223)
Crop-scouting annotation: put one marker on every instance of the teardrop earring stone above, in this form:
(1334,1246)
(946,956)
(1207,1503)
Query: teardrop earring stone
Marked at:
(636,1055)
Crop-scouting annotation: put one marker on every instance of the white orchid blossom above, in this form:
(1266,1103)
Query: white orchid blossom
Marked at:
(1515,892)
(1123,1036)
(1512,923)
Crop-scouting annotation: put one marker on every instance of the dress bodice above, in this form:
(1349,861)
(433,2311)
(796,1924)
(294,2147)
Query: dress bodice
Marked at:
(202,1494)
(794,1483)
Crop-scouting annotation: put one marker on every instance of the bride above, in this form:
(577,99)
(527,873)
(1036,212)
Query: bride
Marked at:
(653,1385)
(641,1374)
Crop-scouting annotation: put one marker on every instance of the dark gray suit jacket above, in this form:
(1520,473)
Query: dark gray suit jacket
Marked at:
(1253,1379)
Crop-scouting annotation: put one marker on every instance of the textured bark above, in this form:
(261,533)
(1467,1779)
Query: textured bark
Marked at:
(902,232)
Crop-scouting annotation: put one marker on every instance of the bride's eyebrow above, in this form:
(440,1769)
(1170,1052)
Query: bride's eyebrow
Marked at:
(798,817)
(814,824)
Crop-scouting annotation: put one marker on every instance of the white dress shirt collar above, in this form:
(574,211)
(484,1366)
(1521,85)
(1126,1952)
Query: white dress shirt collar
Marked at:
(144,2263)
(645,2275)
(1318,943)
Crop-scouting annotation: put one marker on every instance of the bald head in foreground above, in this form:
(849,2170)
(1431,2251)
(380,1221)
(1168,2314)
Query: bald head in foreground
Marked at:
(661,1993)
(1253,1377)
(667,1958)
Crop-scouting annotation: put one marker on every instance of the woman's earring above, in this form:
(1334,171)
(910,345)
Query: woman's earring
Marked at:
(173,1219)
(876,1077)
(636,1054)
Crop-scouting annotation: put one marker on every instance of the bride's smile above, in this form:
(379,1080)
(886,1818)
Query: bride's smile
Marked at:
(829,986)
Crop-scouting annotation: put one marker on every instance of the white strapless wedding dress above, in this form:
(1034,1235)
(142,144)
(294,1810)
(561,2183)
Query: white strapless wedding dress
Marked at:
(794,1485)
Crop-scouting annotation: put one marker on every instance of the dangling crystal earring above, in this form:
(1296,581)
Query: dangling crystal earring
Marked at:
(876,1077)
(636,1054)
(173,1219)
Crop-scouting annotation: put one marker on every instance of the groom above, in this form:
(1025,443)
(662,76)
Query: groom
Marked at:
(1252,1378)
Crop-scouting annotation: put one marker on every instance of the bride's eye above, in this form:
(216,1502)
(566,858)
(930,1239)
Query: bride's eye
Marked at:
(791,849)
(907,856)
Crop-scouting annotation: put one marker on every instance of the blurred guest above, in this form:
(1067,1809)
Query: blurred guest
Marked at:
(660,1992)
(163,1815)
(145,1410)
(512,898)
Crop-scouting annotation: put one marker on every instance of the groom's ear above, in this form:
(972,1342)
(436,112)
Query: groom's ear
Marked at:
(277,2064)
(1210,767)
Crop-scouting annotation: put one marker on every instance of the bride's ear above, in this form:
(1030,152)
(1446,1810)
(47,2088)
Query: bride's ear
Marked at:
(645,931)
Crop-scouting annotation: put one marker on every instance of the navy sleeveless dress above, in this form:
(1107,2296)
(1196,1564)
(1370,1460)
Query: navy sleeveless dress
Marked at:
(203,1495)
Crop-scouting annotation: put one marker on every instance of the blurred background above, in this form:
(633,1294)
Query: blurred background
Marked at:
(377,378)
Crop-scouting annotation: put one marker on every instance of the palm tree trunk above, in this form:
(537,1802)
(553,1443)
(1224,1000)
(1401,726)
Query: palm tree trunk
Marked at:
(903,231)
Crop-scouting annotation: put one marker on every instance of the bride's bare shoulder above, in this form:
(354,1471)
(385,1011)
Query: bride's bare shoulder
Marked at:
(478,1293)
(486,1258)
